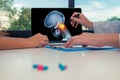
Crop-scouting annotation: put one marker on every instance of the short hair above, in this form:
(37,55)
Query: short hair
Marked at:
(2,32)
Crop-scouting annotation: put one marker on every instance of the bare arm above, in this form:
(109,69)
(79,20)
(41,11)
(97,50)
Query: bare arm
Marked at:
(98,40)
(31,42)
(119,40)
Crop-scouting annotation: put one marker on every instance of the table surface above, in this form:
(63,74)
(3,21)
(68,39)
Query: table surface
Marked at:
(81,65)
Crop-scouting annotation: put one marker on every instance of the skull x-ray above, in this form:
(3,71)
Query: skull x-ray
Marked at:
(53,21)
(53,18)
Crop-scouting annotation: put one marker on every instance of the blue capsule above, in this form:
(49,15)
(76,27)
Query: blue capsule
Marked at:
(62,67)
(35,66)
(45,68)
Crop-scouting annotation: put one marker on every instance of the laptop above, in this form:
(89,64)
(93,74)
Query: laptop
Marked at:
(55,23)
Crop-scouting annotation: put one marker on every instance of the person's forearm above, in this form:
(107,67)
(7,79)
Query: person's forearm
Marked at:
(90,25)
(110,39)
(14,43)
(119,40)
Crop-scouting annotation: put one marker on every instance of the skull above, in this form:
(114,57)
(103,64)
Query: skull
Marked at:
(52,19)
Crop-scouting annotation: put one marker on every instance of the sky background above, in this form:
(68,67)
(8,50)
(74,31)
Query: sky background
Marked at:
(94,10)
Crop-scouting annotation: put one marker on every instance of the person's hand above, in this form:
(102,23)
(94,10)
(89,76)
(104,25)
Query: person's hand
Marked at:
(81,20)
(86,39)
(38,40)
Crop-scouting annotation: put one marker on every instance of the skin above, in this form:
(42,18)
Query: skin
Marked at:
(98,40)
(37,40)
(85,39)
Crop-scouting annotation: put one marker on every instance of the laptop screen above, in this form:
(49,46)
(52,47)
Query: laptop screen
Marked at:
(54,22)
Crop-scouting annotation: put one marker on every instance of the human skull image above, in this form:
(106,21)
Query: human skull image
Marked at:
(52,21)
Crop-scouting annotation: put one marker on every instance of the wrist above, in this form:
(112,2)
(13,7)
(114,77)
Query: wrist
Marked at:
(31,42)
(89,25)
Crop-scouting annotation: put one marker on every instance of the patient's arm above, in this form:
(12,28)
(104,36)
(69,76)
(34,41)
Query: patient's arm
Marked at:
(31,42)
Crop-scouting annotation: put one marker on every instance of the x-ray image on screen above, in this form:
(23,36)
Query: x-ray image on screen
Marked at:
(55,22)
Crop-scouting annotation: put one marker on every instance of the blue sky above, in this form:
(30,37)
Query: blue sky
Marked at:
(99,10)
(41,3)
(95,10)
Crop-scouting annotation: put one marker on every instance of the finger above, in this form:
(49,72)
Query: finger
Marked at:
(76,25)
(44,44)
(74,42)
(75,13)
(68,42)
(45,38)
(75,22)
(72,23)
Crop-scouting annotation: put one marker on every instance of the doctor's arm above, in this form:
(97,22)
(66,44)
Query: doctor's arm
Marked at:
(98,27)
(98,40)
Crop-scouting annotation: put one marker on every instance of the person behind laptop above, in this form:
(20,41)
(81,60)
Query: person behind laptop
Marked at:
(15,43)
(106,33)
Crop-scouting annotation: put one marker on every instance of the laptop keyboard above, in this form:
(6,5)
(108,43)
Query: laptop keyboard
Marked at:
(60,45)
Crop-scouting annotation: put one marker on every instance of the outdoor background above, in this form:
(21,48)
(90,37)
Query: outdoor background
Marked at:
(16,14)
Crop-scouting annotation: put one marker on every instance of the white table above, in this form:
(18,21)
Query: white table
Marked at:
(82,65)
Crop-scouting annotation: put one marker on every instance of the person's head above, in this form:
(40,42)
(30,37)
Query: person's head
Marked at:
(2,33)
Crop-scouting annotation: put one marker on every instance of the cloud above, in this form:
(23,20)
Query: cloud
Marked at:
(96,11)
(20,5)
(97,4)
(102,15)
(115,11)
(93,5)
